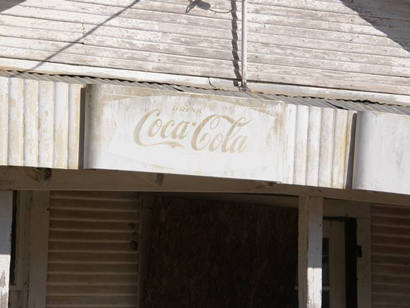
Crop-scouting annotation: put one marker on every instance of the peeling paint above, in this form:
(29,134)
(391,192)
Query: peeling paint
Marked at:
(3,279)
(4,296)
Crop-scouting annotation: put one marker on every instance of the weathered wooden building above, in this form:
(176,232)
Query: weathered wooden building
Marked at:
(204,153)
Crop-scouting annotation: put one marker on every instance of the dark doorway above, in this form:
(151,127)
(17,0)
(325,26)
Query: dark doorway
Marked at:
(220,254)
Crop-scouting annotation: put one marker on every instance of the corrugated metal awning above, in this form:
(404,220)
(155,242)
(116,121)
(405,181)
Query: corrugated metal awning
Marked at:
(295,100)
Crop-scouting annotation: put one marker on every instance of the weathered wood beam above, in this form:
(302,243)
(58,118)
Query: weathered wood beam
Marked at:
(310,251)
(20,178)
(39,228)
(6,216)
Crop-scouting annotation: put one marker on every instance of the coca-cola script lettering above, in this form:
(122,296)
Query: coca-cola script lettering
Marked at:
(212,133)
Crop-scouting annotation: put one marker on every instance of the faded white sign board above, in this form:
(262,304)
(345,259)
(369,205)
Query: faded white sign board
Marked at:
(139,129)
(159,131)
(382,152)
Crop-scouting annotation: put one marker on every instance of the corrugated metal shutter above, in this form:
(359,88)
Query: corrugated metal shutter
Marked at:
(93,256)
(390,256)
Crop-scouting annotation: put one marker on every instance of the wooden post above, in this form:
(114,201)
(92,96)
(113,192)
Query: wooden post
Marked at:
(310,251)
(6,217)
(147,202)
(39,227)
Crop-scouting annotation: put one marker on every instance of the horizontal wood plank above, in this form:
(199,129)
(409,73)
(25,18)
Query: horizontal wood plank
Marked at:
(63,225)
(15,178)
(322,44)
(130,216)
(105,268)
(119,290)
(106,299)
(92,278)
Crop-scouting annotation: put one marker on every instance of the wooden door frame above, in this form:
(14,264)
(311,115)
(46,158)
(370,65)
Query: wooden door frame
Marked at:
(335,202)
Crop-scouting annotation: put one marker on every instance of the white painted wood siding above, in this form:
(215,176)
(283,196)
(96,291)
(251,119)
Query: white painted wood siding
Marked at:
(362,45)
(93,250)
(39,123)
(390,256)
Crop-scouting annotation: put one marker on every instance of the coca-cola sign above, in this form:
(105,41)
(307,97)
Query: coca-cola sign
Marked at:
(215,132)
(158,131)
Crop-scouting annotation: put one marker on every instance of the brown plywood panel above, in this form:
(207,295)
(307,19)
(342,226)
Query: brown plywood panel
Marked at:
(219,254)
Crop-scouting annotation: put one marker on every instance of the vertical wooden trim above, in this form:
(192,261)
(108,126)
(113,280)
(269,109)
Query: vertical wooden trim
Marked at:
(147,201)
(337,264)
(15,128)
(364,263)
(4,120)
(301,144)
(39,225)
(31,132)
(24,203)
(74,125)
(19,292)
(81,127)
(6,216)
(310,251)
(46,123)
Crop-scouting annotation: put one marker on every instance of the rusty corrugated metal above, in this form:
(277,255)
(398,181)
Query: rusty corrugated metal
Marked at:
(39,123)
